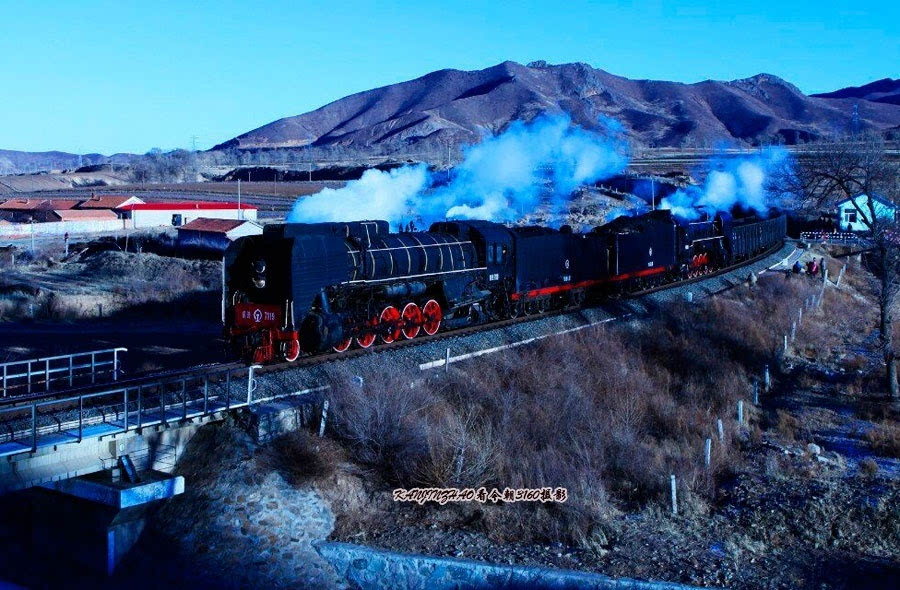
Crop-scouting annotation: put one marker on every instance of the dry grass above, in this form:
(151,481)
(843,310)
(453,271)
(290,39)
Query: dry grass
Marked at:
(868,467)
(884,439)
(301,456)
(607,413)
(47,289)
(786,425)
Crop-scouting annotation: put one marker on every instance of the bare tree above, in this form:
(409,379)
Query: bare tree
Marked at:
(830,171)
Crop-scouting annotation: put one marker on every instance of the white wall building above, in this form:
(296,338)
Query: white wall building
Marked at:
(178,214)
(855,218)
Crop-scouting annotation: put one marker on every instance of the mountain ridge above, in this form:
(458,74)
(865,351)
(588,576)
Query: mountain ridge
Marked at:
(451,106)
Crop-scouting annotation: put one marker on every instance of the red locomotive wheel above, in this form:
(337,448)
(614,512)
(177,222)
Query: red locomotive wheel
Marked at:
(367,339)
(412,320)
(391,317)
(290,350)
(343,345)
(431,316)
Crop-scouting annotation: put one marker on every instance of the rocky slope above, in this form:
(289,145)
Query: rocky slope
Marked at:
(452,106)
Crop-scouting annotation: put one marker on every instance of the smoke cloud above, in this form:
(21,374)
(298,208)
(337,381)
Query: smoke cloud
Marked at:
(502,178)
(730,182)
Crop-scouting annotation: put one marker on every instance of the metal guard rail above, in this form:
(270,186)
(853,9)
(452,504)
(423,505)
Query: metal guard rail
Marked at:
(30,371)
(28,427)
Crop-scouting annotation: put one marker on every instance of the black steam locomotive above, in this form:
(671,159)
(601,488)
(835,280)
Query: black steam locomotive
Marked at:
(307,288)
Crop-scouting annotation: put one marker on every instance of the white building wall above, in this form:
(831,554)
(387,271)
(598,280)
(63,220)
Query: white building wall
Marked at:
(846,212)
(58,228)
(156,218)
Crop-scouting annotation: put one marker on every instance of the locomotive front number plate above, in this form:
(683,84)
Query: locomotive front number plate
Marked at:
(255,314)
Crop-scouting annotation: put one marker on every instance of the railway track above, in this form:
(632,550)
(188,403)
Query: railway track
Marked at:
(173,398)
(178,375)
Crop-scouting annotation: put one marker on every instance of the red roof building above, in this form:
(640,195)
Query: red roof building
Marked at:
(26,210)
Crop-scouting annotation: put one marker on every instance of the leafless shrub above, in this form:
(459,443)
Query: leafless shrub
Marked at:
(608,413)
(301,455)
(885,439)
(868,467)
(786,425)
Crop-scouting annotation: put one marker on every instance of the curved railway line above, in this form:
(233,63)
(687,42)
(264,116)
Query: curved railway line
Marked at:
(47,422)
(331,356)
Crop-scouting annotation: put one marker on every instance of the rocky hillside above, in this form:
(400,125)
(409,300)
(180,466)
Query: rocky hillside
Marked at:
(422,115)
(886,91)
(17,162)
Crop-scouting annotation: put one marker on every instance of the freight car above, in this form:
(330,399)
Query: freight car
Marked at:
(307,288)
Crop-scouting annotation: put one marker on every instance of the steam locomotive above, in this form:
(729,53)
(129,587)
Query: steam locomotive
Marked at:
(307,288)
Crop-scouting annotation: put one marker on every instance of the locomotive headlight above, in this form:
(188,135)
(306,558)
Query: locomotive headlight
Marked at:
(259,274)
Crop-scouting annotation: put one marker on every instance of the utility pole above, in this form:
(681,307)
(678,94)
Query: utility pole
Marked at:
(653,192)
(32,237)
(309,153)
(240,211)
(193,143)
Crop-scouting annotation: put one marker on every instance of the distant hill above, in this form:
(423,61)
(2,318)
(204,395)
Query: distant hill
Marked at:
(16,162)
(885,91)
(422,116)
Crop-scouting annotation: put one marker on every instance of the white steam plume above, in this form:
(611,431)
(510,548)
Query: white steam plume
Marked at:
(730,182)
(502,178)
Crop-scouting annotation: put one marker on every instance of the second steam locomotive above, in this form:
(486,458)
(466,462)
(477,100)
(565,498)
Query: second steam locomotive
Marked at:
(308,288)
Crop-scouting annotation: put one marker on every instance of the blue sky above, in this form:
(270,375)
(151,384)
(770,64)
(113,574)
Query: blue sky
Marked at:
(128,76)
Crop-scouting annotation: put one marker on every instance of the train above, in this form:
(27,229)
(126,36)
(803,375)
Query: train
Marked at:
(307,288)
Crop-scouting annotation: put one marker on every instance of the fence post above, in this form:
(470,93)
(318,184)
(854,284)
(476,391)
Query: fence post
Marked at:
(140,409)
(785,344)
(447,361)
(707,452)
(115,364)
(720,428)
(768,379)
(674,496)
(840,275)
(324,416)
(755,392)
(793,331)
(800,317)
(740,412)
(34,427)
(251,383)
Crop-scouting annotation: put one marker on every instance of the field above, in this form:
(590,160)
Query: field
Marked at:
(165,310)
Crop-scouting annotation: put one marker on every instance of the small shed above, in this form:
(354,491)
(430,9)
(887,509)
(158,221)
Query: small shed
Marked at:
(214,235)
(855,218)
